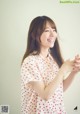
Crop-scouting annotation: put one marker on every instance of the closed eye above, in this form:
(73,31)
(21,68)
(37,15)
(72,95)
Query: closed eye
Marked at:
(54,30)
(46,30)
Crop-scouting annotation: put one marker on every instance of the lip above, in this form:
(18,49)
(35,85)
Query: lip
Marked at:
(51,41)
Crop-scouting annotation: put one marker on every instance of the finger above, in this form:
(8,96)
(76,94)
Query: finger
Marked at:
(76,65)
(76,69)
(77,62)
(77,56)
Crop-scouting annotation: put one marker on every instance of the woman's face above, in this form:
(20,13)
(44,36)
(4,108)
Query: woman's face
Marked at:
(48,37)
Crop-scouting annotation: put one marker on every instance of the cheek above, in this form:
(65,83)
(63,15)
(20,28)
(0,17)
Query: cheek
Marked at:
(56,34)
(43,41)
(43,37)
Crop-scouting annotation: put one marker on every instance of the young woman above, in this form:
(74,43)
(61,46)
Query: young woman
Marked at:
(43,70)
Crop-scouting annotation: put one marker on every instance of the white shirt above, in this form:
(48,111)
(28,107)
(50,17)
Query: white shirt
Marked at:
(36,68)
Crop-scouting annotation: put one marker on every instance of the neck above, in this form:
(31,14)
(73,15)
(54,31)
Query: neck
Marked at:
(44,52)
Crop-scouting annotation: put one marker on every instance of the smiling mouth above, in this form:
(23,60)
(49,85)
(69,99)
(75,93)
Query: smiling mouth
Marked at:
(50,41)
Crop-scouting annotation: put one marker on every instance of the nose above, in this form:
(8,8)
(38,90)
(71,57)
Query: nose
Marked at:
(51,33)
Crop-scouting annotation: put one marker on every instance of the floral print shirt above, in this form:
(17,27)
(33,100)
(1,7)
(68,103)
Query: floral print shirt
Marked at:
(37,68)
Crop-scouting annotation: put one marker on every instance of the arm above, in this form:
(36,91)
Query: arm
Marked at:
(76,68)
(46,91)
(67,82)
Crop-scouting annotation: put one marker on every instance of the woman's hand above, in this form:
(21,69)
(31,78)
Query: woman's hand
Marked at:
(76,65)
(67,66)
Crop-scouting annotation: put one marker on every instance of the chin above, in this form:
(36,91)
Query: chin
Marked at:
(51,46)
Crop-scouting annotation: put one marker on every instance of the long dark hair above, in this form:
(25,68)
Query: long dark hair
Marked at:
(36,29)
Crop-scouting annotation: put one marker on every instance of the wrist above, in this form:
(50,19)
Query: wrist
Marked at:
(73,73)
(62,72)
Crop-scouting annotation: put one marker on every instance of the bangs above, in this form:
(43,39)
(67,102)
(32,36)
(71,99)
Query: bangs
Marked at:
(52,24)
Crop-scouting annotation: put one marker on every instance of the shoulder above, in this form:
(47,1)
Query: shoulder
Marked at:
(31,59)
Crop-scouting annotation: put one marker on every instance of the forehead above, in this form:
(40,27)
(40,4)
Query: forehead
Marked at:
(48,25)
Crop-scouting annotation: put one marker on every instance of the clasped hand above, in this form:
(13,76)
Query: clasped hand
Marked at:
(76,64)
(71,65)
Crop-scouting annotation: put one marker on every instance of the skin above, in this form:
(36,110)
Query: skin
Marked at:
(76,68)
(47,39)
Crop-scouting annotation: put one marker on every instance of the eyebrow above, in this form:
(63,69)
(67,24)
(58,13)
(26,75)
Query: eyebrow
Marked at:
(49,27)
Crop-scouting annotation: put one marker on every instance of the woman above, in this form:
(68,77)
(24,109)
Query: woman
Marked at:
(43,70)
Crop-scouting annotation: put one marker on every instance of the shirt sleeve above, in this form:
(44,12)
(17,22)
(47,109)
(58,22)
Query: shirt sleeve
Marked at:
(30,71)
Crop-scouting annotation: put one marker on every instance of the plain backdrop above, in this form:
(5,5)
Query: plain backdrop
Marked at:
(15,17)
